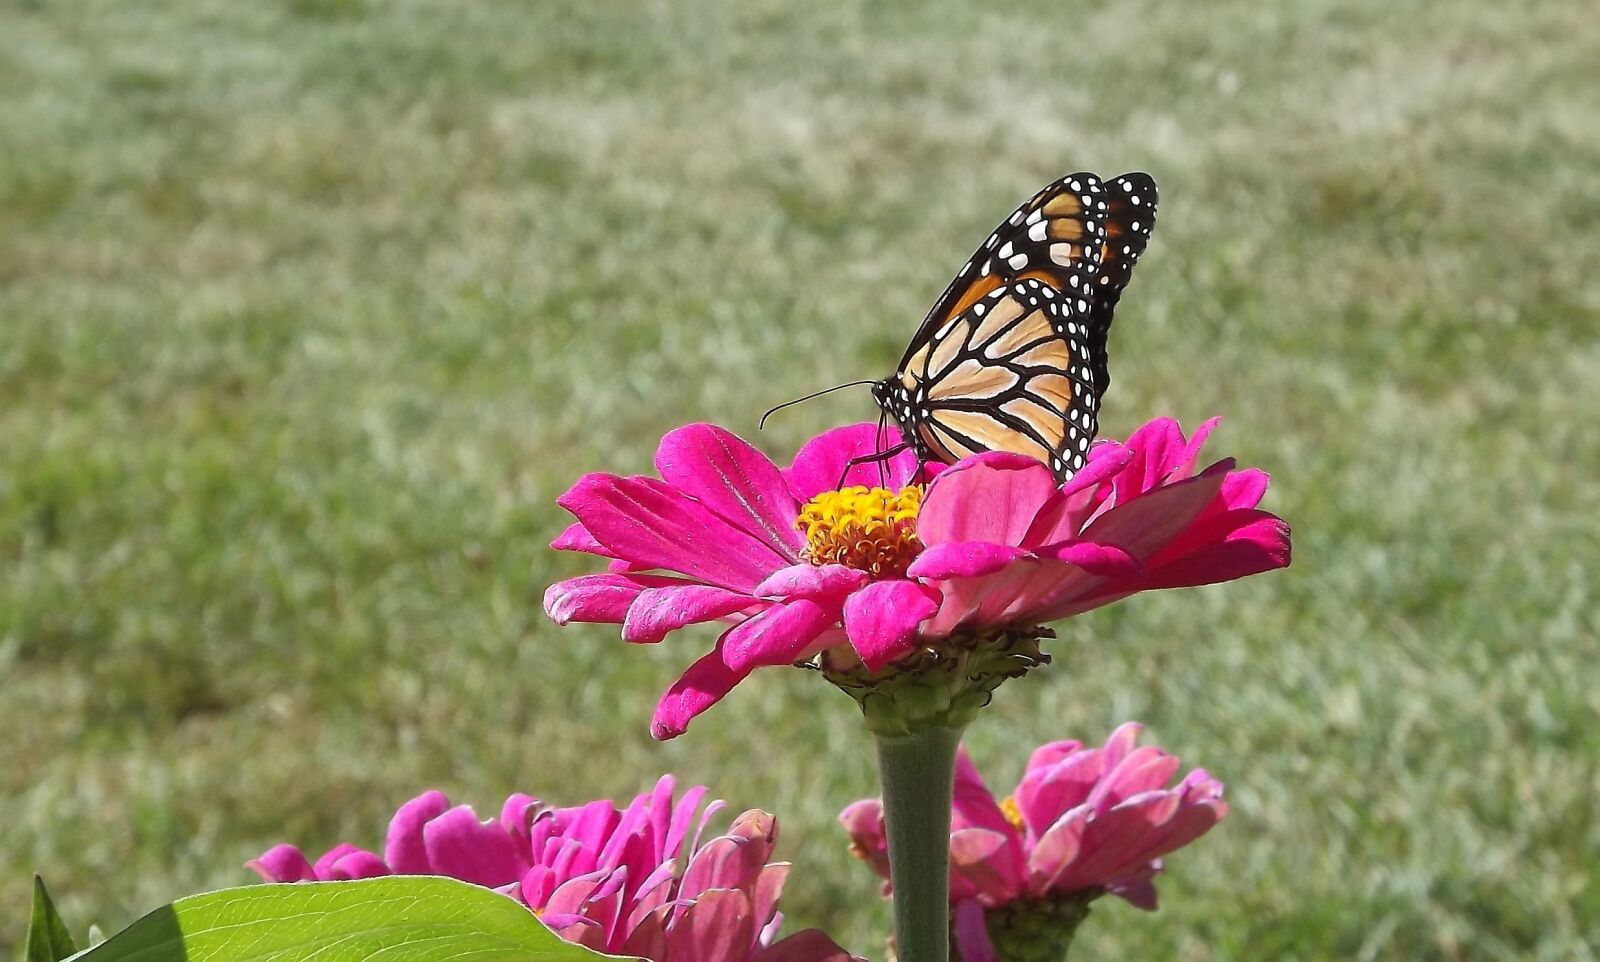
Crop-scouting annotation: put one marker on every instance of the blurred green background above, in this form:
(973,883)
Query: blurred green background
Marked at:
(310,308)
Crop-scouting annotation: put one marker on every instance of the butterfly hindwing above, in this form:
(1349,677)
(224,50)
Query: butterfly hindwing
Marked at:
(1012,372)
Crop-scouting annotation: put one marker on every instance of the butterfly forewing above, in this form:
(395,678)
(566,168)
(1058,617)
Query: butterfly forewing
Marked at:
(1130,216)
(1053,237)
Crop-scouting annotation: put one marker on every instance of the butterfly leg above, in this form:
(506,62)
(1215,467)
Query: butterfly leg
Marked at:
(879,457)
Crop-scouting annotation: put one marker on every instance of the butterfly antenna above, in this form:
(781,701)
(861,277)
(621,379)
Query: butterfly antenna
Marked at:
(760,425)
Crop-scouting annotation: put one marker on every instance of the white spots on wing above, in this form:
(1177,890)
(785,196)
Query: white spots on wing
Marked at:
(1036,216)
(1004,251)
(1037,231)
(978,309)
(1018,262)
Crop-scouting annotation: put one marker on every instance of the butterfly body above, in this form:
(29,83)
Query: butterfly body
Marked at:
(1012,355)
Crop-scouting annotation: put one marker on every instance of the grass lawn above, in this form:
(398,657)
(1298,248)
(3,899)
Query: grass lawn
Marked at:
(310,308)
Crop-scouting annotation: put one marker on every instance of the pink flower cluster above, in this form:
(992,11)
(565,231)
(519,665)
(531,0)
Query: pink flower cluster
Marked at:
(1083,821)
(996,543)
(614,880)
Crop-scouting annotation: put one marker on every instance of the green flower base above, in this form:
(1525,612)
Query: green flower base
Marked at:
(1036,931)
(942,685)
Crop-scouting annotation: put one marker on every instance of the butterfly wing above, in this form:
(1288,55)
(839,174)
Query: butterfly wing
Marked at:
(1056,235)
(1129,217)
(1011,372)
(1012,357)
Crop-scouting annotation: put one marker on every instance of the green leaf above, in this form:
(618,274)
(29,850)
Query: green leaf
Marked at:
(48,939)
(397,919)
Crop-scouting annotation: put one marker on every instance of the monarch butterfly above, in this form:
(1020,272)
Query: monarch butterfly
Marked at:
(1012,356)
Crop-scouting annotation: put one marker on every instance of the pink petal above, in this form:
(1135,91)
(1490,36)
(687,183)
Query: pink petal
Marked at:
(462,847)
(1051,754)
(780,635)
(591,826)
(733,479)
(601,598)
(682,818)
(991,497)
(964,559)
(1183,465)
(881,619)
(1245,488)
(1187,824)
(732,861)
(1157,446)
(768,889)
(578,930)
(1233,544)
(517,816)
(657,612)
(1143,770)
(1120,743)
(972,933)
(1056,850)
(1100,560)
(820,463)
(404,848)
(705,683)
(359,864)
(829,581)
(570,896)
(863,821)
(811,945)
(973,803)
(1048,793)
(577,538)
(982,859)
(1146,524)
(1113,841)
(1139,889)
(282,863)
(1062,517)
(649,524)
(648,938)
(324,865)
(718,927)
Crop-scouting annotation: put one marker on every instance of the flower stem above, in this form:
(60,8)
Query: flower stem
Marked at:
(918,773)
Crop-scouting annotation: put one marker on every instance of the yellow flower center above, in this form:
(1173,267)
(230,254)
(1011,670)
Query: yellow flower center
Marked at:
(1013,813)
(871,529)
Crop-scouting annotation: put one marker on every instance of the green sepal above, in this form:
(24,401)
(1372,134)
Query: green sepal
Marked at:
(941,685)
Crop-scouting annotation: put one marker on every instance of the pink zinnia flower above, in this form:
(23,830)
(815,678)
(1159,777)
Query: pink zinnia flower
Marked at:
(795,565)
(614,880)
(1083,822)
